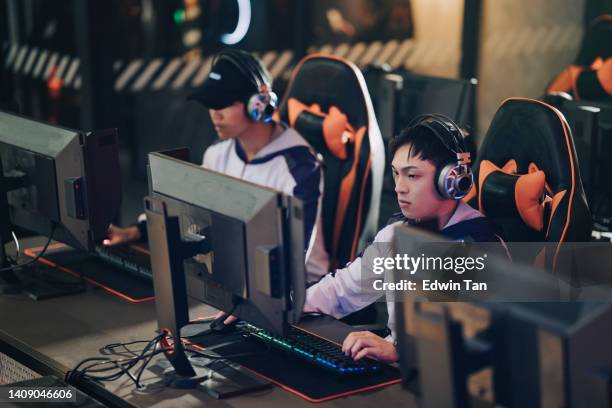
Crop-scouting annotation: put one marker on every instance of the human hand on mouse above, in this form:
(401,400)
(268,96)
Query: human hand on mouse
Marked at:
(229,320)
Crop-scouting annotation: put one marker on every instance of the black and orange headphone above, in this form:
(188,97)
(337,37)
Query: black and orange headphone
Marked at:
(453,179)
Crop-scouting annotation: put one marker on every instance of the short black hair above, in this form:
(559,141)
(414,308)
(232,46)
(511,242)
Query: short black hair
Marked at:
(424,145)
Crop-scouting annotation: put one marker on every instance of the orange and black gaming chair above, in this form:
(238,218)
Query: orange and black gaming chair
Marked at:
(328,102)
(528,182)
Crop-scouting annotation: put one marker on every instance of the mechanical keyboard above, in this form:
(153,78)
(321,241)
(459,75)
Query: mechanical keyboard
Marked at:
(316,350)
(134,261)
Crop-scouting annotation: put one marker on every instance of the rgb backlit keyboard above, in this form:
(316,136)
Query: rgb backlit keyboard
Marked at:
(317,351)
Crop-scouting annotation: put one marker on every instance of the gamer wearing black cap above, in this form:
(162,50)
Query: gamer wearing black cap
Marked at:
(225,85)
(254,147)
(237,76)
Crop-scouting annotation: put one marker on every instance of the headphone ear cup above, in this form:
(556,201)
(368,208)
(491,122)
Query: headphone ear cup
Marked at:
(467,182)
(261,106)
(442,173)
(454,181)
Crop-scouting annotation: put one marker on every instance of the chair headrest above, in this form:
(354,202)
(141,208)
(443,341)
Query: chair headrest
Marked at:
(531,133)
(316,80)
(503,193)
(310,121)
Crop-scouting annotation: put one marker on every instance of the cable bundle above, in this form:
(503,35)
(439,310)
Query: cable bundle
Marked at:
(108,369)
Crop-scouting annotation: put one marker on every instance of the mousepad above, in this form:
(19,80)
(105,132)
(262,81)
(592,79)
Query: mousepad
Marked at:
(95,271)
(291,373)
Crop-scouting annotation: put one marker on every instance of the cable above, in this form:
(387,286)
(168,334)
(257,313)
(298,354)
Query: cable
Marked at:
(142,368)
(110,348)
(104,368)
(123,367)
(143,354)
(40,254)
(17,247)
(120,367)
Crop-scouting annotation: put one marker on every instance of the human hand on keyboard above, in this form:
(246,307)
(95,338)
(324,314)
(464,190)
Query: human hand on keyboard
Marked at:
(117,235)
(366,344)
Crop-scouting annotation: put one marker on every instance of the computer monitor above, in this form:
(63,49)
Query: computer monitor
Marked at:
(510,353)
(584,123)
(591,125)
(400,96)
(231,244)
(243,244)
(421,94)
(57,181)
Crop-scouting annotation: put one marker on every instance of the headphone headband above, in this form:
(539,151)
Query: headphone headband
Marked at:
(433,122)
(247,65)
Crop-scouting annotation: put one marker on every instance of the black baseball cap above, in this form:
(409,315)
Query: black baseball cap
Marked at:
(226,84)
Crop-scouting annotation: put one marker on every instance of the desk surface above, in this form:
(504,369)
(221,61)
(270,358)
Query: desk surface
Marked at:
(75,327)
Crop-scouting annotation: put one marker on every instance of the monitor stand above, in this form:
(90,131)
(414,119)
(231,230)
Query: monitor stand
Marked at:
(227,379)
(219,378)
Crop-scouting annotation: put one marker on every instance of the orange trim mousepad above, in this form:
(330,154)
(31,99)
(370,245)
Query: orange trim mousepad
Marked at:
(291,373)
(95,271)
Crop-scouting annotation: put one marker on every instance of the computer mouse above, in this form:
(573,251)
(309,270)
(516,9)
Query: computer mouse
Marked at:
(218,325)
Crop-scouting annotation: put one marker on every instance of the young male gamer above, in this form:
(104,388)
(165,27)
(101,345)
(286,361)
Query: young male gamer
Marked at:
(255,148)
(429,151)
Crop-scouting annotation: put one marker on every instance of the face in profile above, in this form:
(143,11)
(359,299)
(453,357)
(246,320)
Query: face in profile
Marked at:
(230,122)
(414,185)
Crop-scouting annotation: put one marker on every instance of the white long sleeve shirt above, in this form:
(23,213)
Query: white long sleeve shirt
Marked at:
(342,292)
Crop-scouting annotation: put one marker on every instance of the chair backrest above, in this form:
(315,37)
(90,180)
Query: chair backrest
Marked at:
(581,79)
(327,101)
(527,180)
